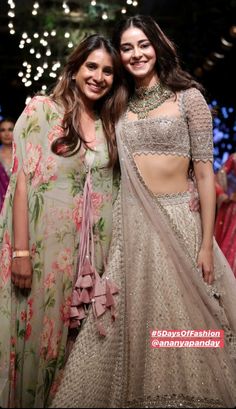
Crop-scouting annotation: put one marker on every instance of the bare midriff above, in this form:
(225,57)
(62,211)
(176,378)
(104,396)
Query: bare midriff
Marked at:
(163,174)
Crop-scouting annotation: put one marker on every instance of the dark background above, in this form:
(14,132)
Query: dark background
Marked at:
(196,27)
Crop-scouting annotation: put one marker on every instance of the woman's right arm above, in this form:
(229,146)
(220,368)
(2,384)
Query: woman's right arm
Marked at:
(21,266)
(29,134)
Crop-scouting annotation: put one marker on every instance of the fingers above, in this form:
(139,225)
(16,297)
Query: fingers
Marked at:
(207,273)
(22,273)
(21,281)
(15,279)
(208,276)
(28,283)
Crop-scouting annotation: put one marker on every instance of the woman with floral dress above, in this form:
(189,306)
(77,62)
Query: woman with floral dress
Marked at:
(64,156)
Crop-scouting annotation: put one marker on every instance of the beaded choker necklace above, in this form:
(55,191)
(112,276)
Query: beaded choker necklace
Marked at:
(146,99)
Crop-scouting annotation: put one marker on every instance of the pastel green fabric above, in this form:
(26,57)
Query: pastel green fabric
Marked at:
(34,326)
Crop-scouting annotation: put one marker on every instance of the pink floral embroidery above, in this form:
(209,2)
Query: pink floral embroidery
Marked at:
(5,257)
(55,214)
(97,202)
(56,132)
(45,171)
(49,280)
(48,348)
(34,154)
(30,309)
(64,262)
(30,107)
(65,311)
(15,160)
(13,367)
(28,331)
(13,341)
(23,315)
(78,211)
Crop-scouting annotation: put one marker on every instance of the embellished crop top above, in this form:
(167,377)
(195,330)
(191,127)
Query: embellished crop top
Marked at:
(188,135)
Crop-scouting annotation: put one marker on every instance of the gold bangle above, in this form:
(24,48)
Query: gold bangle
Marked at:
(20,253)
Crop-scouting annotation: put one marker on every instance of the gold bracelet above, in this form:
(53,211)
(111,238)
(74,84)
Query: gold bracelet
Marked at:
(20,253)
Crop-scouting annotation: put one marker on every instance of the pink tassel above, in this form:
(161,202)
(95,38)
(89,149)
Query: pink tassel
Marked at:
(89,287)
(75,298)
(86,269)
(99,287)
(84,297)
(81,313)
(86,282)
(99,308)
(73,312)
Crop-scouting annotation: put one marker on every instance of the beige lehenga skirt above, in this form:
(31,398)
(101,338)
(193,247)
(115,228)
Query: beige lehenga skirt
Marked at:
(122,369)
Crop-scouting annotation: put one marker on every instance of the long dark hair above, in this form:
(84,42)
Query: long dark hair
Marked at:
(109,108)
(167,65)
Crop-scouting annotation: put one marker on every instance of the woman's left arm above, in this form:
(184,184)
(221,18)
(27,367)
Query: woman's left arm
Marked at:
(206,187)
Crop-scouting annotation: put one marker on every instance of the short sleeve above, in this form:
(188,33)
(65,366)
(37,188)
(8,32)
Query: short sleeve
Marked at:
(199,121)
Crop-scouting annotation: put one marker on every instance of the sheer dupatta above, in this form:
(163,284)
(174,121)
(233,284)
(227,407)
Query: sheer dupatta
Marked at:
(210,307)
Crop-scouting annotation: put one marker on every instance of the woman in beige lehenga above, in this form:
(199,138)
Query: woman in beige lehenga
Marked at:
(170,272)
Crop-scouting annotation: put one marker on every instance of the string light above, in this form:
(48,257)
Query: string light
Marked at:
(12,15)
(218,55)
(65,7)
(104,15)
(35,9)
(226,43)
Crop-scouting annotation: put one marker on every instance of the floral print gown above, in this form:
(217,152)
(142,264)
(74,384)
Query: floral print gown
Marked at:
(34,326)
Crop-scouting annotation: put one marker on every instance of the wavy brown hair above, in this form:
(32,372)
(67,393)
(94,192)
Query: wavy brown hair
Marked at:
(109,107)
(168,66)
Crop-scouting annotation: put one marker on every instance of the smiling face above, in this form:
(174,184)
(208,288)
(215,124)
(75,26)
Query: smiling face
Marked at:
(138,56)
(95,76)
(6,132)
